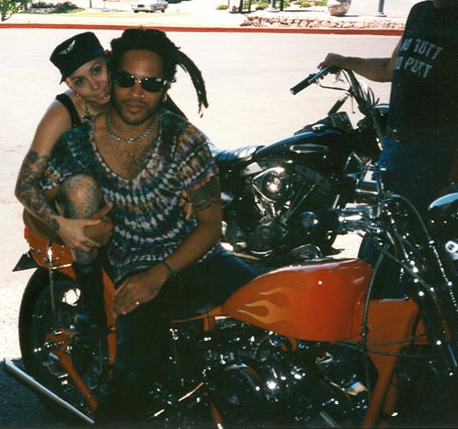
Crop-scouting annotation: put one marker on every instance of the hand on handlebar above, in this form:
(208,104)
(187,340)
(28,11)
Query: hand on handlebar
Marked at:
(332,59)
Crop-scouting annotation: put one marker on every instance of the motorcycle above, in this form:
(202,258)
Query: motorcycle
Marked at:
(304,345)
(266,188)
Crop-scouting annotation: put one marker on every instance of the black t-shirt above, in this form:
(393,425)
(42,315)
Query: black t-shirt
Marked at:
(424,89)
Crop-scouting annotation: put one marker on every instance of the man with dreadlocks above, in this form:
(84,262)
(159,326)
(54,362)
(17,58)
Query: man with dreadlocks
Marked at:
(144,157)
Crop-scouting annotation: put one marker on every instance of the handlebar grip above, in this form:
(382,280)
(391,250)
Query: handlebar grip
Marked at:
(312,78)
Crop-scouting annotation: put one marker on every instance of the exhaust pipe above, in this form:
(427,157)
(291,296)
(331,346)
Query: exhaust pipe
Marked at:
(26,380)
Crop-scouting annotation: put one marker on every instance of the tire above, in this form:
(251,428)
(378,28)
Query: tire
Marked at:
(31,330)
(36,321)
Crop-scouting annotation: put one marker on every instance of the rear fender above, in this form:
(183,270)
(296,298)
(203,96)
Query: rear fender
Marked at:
(26,262)
(43,250)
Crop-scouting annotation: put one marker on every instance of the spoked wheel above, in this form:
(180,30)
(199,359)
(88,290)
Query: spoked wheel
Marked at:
(42,338)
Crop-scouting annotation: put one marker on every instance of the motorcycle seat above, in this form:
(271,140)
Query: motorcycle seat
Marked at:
(227,158)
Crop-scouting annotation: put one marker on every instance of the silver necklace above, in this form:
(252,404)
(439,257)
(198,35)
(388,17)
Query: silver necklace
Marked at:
(87,116)
(126,139)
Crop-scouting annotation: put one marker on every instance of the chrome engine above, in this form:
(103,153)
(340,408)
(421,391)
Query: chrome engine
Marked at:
(256,377)
(266,215)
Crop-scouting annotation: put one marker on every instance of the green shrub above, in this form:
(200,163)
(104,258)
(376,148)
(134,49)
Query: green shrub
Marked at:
(54,8)
(65,7)
(264,4)
(310,3)
(9,8)
(221,7)
(303,3)
(261,5)
(40,5)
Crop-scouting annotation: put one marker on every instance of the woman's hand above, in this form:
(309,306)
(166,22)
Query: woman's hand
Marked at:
(102,231)
(85,234)
(73,233)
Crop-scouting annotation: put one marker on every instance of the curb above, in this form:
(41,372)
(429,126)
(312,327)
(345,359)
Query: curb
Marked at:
(194,29)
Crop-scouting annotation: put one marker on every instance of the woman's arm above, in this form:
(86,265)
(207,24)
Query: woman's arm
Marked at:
(145,286)
(28,190)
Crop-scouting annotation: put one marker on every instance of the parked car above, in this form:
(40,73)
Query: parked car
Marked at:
(150,6)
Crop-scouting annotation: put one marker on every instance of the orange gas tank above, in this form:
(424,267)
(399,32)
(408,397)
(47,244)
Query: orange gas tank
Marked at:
(319,301)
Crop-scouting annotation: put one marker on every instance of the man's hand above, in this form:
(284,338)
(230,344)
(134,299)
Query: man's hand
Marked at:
(139,289)
(332,59)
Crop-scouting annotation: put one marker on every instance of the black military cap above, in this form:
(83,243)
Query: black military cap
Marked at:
(76,51)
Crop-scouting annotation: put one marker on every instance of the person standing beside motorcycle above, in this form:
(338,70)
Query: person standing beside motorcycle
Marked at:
(419,155)
(422,133)
(144,157)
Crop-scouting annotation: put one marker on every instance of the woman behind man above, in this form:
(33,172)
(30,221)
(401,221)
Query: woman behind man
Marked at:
(82,62)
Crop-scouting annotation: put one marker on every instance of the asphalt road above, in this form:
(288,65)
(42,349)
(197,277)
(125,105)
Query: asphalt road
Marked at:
(248,78)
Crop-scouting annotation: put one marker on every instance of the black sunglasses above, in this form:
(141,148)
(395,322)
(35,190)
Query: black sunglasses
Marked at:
(150,84)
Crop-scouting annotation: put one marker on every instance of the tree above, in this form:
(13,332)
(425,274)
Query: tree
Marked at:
(8,8)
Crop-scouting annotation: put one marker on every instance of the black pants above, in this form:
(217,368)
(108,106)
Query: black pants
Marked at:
(142,335)
(417,170)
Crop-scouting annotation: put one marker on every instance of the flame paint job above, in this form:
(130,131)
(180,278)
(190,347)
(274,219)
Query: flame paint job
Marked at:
(317,301)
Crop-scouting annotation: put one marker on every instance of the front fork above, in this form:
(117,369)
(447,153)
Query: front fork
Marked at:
(60,341)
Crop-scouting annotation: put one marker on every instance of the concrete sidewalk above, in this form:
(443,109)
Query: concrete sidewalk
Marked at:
(202,15)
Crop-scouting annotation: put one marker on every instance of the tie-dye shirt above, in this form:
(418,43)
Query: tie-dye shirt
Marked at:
(148,223)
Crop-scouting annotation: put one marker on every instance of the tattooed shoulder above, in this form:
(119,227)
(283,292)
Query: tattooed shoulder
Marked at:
(206,195)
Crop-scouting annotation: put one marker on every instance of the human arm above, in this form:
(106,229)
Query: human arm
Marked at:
(185,205)
(376,69)
(145,286)
(28,190)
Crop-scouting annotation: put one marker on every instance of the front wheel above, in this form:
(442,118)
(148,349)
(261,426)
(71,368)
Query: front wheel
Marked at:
(38,346)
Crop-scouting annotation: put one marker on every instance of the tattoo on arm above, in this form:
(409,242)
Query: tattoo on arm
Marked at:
(207,195)
(29,192)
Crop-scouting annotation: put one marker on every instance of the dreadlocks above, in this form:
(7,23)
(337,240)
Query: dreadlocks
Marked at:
(157,41)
